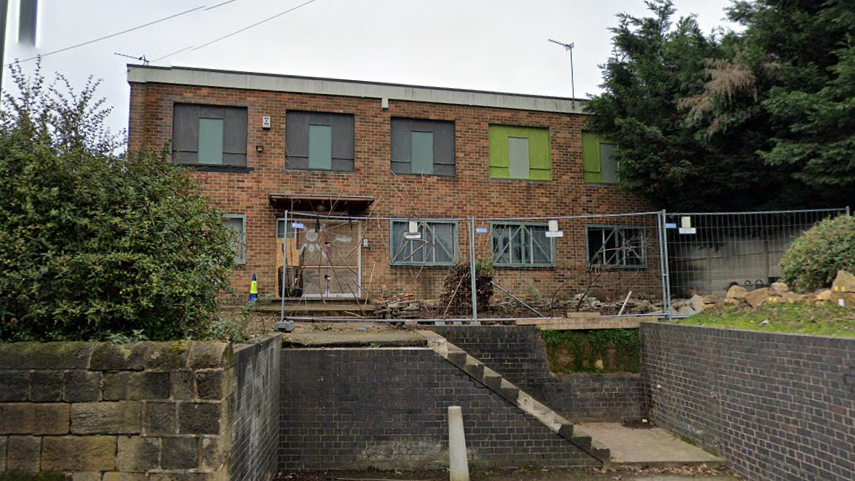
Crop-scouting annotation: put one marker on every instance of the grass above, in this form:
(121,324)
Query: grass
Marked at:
(824,319)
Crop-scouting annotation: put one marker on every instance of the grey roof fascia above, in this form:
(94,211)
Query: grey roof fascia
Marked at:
(349,88)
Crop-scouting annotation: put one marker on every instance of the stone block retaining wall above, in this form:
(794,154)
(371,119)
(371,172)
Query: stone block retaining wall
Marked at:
(138,412)
(777,407)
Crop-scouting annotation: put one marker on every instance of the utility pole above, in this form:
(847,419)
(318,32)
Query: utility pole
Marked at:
(4,11)
(569,48)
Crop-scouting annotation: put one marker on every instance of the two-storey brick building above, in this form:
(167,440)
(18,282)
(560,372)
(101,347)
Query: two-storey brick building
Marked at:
(378,180)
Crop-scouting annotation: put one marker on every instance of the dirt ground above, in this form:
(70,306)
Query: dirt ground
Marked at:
(697,473)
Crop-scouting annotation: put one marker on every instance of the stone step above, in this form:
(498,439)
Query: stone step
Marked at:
(513,394)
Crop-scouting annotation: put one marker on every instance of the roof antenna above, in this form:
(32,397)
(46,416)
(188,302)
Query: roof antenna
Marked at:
(141,58)
(569,48)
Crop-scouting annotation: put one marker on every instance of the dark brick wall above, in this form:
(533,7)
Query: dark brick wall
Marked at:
(254,411)
(776,406)
(387,408)
(519,354)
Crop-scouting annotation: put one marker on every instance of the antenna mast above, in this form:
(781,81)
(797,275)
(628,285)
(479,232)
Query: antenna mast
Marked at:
(569,48)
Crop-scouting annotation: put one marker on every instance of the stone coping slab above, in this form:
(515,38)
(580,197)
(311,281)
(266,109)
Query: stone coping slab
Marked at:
(353,339)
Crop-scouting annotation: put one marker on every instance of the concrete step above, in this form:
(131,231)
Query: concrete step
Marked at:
(513,394)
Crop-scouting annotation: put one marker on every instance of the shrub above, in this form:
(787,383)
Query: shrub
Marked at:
(456,295)
(98,245)
(812,261)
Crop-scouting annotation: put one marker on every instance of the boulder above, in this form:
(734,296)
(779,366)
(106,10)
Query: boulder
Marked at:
(732,301)
(686,310)
(736,292)
(697,303)
(844,282)
(824,295)
(792,298)
(757,297)
(780,288)
(711,299)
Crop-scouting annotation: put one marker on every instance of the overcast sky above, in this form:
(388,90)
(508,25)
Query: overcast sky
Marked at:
(497,45)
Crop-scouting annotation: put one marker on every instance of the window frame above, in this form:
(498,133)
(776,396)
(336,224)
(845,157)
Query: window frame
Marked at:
(228,124)
(590,176)
(553,247)
(337,139)
(241,261)
(643,230)
(439,128)
(455,237)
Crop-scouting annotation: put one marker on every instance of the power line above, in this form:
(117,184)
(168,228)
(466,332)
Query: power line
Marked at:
(138,27)
(232,34)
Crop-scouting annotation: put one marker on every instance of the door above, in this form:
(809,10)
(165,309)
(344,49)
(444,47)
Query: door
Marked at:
(330,258)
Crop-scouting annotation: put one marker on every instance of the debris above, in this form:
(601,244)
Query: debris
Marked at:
(736,292)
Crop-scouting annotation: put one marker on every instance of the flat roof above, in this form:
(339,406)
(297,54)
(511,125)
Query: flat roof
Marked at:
(349,88)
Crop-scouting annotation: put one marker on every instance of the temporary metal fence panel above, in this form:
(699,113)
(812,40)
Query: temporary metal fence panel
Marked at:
(541,266)
(709,252)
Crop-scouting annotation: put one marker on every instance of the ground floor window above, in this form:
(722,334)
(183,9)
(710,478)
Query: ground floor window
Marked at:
(521,245)
(435,244)
(616,246)
(236,223)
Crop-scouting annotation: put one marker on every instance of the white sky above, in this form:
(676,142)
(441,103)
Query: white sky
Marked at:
(497,45)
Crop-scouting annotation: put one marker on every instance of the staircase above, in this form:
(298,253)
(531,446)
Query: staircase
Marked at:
(504,388)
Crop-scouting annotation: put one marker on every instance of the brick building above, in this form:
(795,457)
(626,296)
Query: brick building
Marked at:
(378,180)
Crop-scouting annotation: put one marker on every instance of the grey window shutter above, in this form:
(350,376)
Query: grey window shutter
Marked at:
(422,152)
(320,147)
(185,133)
(443,149)
(210,141)
(608,166)
(401,146)
(234,136)
(342,142)
(518,157)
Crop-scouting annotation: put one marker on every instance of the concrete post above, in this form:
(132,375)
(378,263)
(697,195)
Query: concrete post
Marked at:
(457,462)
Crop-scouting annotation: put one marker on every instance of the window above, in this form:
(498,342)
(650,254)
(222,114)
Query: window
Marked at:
(519,153)
(208,135)
(319,141)
(437,246)
(237,225)
(522,245)
(617,247)
(598,162)
(422,147)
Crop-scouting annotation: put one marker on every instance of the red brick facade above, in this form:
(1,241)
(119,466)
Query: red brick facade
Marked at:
(470,193)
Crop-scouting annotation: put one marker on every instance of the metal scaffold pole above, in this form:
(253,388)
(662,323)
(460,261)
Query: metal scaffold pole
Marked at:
(472,276)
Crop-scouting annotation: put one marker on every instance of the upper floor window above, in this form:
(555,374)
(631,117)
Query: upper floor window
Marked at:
(598,162)
(519,153)
(422,147)
(318,141)
(209,135)
(522,245)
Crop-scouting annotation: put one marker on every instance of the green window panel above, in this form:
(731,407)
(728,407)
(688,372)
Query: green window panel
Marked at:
(422,152)
(320,147)
(539,154)
(616,247)
(211,141)
(598,164)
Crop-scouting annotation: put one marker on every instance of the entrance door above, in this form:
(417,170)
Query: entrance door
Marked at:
(330,258)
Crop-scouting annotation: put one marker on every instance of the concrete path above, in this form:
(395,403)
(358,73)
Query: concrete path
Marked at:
(655,446)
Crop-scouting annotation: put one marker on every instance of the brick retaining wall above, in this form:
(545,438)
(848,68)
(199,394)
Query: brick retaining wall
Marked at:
(519,354)
(387,409)
(776,406)
(254,411)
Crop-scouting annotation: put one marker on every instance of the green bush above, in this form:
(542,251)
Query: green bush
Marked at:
(812,261)
(98,245)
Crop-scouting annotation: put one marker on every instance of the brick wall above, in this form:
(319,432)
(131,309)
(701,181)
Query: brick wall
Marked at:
(519,354)
(387,409)
(470,193)
(254,410)
(139,412)
(775,406)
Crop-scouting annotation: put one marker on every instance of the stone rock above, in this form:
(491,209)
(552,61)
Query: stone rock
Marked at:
(180,453)
(732,301)
(736,292)
(3,441)
(23,454)
(843,298)
(844,282)
(161,418)
(14,386)
(82,386)
(824,295)
(686,310)
(46,386)
(780,288)
(28,418)
(791,297)
(711,299)
(199,418)
(757,297)
(137,454)
(79,453)
(106,418)
(698,303)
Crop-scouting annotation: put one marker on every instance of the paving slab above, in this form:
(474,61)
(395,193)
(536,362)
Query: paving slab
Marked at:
(652,446)
(367,338)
